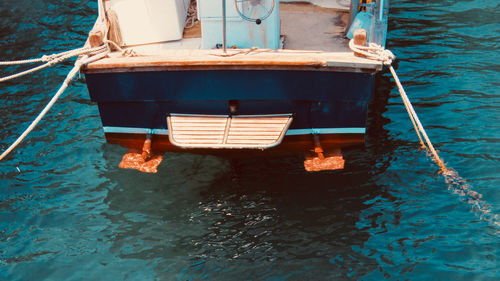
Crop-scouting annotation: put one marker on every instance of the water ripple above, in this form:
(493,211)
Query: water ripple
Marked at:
(68,212)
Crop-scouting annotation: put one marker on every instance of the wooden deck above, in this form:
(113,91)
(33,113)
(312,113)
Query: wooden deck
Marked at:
(314,40)
(310,27)
(234,59)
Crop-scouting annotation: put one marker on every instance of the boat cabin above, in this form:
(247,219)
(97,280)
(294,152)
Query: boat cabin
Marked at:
(316,25)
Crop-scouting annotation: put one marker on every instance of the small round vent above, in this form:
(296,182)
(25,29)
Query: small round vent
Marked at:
(254,10)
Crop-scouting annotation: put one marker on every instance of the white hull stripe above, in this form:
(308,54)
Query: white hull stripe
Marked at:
(290,132)
(294,132)
(132,130)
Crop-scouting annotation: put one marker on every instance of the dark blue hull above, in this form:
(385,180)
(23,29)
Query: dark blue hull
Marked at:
(323,102)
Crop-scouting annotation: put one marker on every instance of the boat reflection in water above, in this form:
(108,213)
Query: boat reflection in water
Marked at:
(240,218)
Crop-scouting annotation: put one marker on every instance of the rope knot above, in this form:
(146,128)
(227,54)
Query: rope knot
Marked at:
(46,58)
(129,53)
(373,51)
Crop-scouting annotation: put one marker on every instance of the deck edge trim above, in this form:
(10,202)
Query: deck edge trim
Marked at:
(290,132)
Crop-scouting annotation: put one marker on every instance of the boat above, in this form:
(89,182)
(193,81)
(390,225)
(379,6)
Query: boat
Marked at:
(233,77)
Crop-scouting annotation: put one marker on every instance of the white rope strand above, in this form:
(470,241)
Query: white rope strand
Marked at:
(373,51)
(44,58)
(379,53)
(455,183)
(416,120)
(16,62)
(53,60)
(192,15)
(78,64)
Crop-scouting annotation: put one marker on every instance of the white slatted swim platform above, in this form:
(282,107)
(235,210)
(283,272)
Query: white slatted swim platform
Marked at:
(224,131)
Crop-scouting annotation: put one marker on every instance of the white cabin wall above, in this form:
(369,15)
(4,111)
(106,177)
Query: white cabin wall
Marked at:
(150,21)
(240,33)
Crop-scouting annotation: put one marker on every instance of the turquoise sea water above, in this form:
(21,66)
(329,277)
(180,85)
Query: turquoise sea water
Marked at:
(67,212)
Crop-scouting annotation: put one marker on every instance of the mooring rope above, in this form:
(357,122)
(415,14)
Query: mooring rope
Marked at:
(16,62)
(49,60)
(192,15)
(379,53)
(124,52)
(98,53)
(455,183)
(44,58)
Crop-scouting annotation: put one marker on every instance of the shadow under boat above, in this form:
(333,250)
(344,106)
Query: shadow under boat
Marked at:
(242,217)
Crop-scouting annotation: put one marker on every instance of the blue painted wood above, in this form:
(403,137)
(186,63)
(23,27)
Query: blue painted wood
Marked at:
(318,99)
(229,85)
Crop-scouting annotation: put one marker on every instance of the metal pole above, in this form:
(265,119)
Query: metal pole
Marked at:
(224,25)
(381,10)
